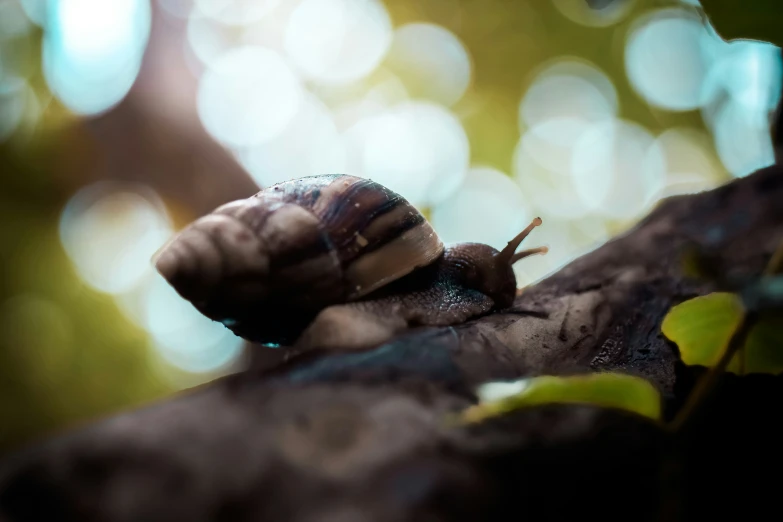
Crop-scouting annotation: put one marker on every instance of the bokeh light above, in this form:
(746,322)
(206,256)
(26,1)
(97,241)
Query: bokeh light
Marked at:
(14,22)
(111,233)
(749,72)
(248,96)
(691,164)
(668,57)
(568,88)
(36,10)
(17,48)
(418,149)
(13,96)
(748,78)
(236,12)
(542,167)
(488,208)
(208,39)
(386,92)
(92,51)
(433,60)
(184,337)
(619,170)
(309,143)
(338,41)
(564,101)
(676,62)
(742,139)
(566,240)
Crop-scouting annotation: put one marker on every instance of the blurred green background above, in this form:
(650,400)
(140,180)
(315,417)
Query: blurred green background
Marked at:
(122,121)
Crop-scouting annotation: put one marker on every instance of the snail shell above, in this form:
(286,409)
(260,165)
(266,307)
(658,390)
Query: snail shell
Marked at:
(272,261)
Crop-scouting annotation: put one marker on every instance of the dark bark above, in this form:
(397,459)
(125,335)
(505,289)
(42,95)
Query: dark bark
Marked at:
(360,436)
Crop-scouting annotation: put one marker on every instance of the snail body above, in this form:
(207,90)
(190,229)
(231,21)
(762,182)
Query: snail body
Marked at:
(332,259)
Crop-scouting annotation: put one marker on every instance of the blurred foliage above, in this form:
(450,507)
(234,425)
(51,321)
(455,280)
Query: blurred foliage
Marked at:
(509,42)
(610,390)
(66,352)
(746,19)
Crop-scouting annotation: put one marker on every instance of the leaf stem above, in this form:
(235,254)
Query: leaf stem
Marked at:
(707,383)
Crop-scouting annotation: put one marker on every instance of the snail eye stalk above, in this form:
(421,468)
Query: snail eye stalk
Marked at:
(529,252)
(507,256)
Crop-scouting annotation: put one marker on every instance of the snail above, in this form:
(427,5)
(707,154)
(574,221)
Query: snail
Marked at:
(333,260)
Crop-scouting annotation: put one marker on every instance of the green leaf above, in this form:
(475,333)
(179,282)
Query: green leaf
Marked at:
(702,327)
(611,390)
(746,19)
(764,347)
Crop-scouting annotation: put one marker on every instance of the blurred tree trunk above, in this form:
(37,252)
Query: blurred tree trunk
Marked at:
(154,136)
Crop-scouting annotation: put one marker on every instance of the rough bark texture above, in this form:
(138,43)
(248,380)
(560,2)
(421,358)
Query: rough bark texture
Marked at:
(361,436)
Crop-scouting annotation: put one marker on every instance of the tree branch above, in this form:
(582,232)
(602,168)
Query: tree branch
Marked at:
(358,436)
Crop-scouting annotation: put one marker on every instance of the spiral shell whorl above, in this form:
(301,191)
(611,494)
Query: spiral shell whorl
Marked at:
(378,236)
(204,255)
(253,250)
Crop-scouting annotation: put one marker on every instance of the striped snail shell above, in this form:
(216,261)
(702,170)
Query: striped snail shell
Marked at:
(266,265)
